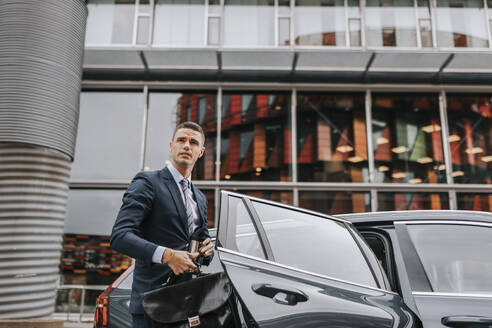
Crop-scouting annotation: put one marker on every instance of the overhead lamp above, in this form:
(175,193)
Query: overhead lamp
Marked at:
(345,148)
(425,160)
(398,175)
(258,169)
(487,159)
(383,168)
(278,107)
(474,150)
(258,174)
(227,177)
(441,167)
(399,149)
(415,180)
(355,159)
(431,128)
(458,174)
(454,138)
(382,141)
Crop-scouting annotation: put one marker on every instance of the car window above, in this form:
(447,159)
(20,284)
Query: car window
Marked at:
(456,258)
(247,241)
(313,243)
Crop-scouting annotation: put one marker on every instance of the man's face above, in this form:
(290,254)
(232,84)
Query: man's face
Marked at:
(186,147)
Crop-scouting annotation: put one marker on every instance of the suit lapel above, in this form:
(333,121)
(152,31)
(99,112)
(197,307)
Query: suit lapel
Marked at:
(200,203)
(176,195)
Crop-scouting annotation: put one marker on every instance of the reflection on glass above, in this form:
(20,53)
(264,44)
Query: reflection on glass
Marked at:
(213,31)
(284,197)
(391,201)
(166,111)
(475,202)
(456,258)
(355,32)
(249,22)
(320,22)
(313,243)
(109,140)
(461,23)
(390,23)
(88,259)
(284,31)
(407,138)
(255,143)
(335,202)
(425,22)
(331,137)
(143,30)
(110,21)
(470,137)
(179,22)
(210,195)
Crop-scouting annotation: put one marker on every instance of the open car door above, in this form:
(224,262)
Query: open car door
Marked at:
(296,268)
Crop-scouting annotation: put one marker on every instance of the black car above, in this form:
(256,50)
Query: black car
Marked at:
(296,268)
(440,262)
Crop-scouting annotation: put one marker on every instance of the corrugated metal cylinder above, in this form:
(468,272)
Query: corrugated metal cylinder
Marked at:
(41,48)
(33,199)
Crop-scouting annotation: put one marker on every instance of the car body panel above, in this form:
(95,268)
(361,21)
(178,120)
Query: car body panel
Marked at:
(119,307)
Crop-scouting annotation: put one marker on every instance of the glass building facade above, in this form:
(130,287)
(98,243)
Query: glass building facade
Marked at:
(384,132)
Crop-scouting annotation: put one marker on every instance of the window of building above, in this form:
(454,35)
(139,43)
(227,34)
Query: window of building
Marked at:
(335,202)
(281,196)
(249,22)
(109,137)
(470,137)
(461,23)
(424,23)
(390,23)
(475,201)
(110,22)
(166,111)
(255,143)
(401,201)
(323,22)
(331,133)
(179,22)
(407,138)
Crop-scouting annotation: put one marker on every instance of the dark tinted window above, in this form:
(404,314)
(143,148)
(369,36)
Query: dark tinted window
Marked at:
(313,243)
(456,258)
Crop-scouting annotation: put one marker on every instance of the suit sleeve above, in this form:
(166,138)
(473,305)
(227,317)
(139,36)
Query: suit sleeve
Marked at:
(126,235)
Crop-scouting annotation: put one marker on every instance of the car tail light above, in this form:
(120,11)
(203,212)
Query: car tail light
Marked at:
(101,316)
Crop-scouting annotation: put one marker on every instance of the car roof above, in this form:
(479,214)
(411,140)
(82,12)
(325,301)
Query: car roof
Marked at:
(420,215)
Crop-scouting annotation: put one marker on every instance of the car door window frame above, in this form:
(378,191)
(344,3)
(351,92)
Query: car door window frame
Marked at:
(230,244)
(389,269)
(430,290)
(415,269)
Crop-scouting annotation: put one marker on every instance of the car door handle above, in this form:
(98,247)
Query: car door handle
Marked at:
(280,294)
(460,321)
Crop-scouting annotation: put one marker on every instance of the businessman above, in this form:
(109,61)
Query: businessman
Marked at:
(160,211)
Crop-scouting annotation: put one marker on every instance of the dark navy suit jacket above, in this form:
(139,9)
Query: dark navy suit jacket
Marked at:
(153,214)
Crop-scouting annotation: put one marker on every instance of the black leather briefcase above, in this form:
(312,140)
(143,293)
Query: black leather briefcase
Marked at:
(205,302)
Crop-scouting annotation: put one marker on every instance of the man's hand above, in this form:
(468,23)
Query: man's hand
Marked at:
(179,261)
(207,248)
